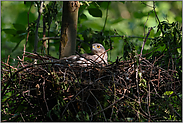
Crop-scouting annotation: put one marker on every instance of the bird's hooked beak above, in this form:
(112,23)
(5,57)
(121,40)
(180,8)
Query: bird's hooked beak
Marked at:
(93,47)
(93,50)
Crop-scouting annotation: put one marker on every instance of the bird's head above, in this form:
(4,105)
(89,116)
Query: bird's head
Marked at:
(97,48)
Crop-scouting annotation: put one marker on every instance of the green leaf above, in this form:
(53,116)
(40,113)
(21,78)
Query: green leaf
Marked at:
(18,40)
(139,14)
(85,47)
(123,2)
(103,4)
(20,108)
(28,3)
(115,21)
(19,26)
(9,31)
(8,95)
(49,113)
(83,16)
(22,18)
(95,12)
(96,4)
(16,46)
(168,93)
(87,117)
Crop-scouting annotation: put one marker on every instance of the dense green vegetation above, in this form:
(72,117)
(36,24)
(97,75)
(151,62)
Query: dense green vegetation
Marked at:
(128,19)
(121,27)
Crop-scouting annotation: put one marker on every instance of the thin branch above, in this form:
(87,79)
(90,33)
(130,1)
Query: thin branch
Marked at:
(108,106)
(73,99)
(155,12)
(8,65)
(27,32)
(137,83)
(129,36)
(37,26)
(44,97)
(145,41)
(28,25)
(58,38)
(99,104)
(149,102)
(146,23)
(44,35)
(49,38)
(22,117)
(106,17)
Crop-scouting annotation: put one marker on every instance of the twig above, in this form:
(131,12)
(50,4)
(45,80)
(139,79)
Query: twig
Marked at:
(27,32)
(44,94)
(99,104)
(73,99)
(136,110)
(103,54)
(8,59)
(137,83)
(58,38)
(22,117)
(148,102)
(106,16)
(155,12)
(157,59)
(150,51)
(9,65)
(20,61)
(44,35)
(114,95)
(159,77)
(50,21)
(37,26)
(147,5)
(9,81)
(146,22)
(49,38)
(99,56)
(145,41)
(108,106)
(128,36)
(155,88)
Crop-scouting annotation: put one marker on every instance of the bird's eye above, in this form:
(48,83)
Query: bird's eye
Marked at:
(98,46)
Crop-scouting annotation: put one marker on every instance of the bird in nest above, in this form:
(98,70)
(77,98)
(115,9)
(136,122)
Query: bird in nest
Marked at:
(98,55)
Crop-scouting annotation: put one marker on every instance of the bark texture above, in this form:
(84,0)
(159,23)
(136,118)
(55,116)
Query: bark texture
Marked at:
(69,28)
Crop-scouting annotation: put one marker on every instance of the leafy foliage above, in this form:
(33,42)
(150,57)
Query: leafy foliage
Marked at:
(171,46)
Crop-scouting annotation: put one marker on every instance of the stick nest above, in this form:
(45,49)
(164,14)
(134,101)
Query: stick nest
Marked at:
(50,90)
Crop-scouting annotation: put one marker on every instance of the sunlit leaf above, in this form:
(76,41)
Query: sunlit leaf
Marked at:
(168,93)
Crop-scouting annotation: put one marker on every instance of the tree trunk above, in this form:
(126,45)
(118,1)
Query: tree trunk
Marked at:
(69,28)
